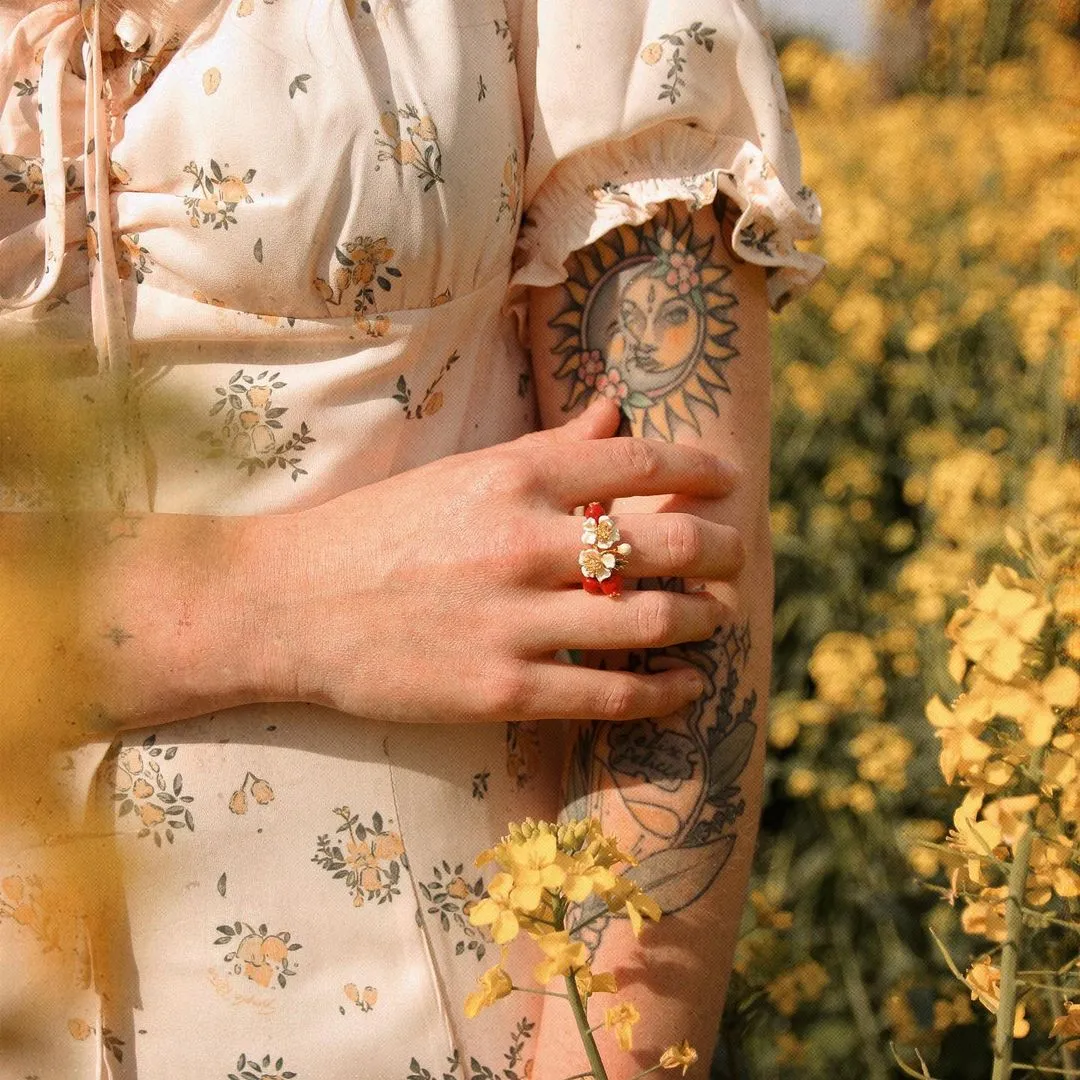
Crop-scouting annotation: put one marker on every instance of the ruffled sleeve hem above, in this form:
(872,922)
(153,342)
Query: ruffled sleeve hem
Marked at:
(627,183)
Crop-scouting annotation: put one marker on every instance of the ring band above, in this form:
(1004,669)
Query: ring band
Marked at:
(604,556)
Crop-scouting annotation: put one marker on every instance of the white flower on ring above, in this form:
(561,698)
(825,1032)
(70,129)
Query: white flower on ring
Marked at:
(600,532)
(596,564)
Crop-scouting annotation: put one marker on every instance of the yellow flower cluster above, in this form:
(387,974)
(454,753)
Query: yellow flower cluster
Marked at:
(1012,738)
(542,865)
(546,873)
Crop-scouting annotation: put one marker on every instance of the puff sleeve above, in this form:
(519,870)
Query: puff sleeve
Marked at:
(630,103)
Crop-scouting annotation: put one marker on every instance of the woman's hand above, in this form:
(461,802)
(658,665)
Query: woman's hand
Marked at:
(444,593)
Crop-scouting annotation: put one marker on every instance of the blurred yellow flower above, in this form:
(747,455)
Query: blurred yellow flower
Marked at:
(621,1019)
(493,984)
(678,1056)
(844,668)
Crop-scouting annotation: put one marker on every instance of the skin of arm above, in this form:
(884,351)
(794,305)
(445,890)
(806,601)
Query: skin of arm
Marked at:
(663,318)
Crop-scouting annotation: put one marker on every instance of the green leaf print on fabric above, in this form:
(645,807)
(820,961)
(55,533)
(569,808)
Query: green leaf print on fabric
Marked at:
(369,862)
(264,1068)
(694,34)
(250,426)
(143,789)
(455,1067)
(451,897)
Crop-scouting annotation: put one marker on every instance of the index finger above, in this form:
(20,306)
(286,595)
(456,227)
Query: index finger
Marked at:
(604,469)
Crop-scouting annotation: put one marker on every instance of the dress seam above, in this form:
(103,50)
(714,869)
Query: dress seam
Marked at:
(429,953)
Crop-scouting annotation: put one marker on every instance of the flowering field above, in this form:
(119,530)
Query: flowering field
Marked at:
(917,865)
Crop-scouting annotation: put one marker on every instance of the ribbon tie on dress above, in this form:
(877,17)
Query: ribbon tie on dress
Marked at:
(124,444)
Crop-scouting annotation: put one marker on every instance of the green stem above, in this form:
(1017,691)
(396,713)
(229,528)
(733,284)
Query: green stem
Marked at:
(603,913)
(645,1072)
(577,1006)
(1010,949)
(531,990)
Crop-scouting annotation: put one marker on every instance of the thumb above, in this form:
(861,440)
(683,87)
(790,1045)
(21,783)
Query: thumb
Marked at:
(598,420)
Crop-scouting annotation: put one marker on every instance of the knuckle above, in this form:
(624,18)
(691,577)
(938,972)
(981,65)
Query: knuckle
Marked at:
(511,474)
(616,701)
(684,543)
(656,618)
(642,459)
(507,692)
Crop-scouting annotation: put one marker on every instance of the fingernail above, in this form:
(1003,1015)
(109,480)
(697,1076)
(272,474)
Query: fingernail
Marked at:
(695,686)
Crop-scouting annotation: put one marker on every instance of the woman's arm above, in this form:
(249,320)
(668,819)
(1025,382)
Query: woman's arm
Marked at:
(663,319)
(363,603)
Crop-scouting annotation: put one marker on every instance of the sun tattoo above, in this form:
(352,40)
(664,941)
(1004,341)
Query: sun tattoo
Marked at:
(647,320)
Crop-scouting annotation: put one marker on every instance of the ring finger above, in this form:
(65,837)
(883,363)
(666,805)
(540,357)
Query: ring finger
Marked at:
(662,545)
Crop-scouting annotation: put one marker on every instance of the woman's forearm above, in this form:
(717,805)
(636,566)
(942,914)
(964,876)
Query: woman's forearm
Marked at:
(127,620)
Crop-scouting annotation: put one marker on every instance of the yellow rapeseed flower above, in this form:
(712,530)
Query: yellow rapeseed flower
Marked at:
(683,1056)
(621,1018)
(1005,616)
(534,869)
(495,910)
(492,985)
(561,956)
(589,983)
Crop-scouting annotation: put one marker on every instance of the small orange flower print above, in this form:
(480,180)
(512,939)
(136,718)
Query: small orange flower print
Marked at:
(261,792)
(264,1068)
(653,53)
(369,858)
(263,958)
(362,263)
(216,194)
(411,140)
(510,192)
(364,1000)
(51,914)
(432,401)
(250,426)
(79,1029)
(522,751)
(133,259)
(23,175)
(141,787)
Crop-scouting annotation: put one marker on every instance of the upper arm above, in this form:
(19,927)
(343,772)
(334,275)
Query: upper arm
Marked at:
(663,317)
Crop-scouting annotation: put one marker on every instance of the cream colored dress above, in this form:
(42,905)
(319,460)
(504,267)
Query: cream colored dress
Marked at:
(290,238)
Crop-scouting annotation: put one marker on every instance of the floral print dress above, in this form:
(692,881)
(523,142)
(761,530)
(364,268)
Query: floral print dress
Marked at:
(295,240)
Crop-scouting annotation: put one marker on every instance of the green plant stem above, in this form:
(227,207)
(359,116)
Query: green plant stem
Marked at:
(1010,949)
(645,1072)
(859,1000)
(530,990)
(596,1064)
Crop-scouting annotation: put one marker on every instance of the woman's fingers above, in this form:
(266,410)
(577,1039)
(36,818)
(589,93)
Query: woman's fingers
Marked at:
(604,469)
(566,692)
(638,619)
(663,545)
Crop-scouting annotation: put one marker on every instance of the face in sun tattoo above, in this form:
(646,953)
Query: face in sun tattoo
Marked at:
(647,320)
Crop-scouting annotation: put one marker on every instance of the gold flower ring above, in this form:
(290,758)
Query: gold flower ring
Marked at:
(604,556)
